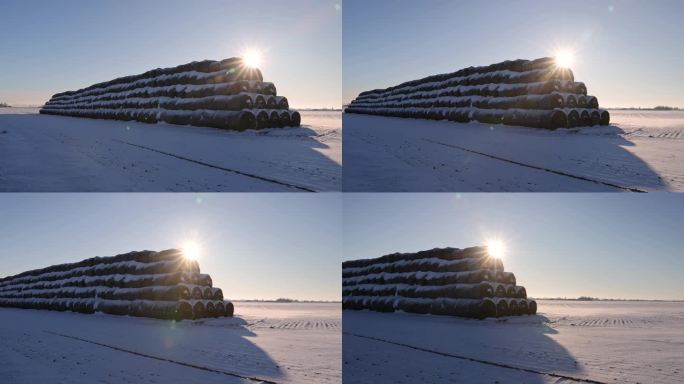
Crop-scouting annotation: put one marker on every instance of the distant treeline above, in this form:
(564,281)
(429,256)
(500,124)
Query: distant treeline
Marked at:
(4,105)
(286,300)
(657,108)
(588,298)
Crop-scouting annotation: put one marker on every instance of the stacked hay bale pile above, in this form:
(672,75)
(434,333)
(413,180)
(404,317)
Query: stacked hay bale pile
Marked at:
(531,93)
(447,281)
(163,285)
(223,94)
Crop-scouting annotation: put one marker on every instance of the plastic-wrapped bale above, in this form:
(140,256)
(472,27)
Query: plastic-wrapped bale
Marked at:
(223,94)
(162,285)
(533,93)
(442,281)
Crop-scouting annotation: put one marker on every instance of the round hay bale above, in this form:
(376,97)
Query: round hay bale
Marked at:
(521,292)
(274,118)
(296,119)
(285,119)
(229,309)
(220,308)
(210,309)
(573,118)
(513,308)
(585,118)
(511,291)
(217,294)
(531,307)
(501,308)
(282,102)
(605,117)
(595,117)
(570,101)
(183,311)
(196,293)
(487,308)
(582,101)
(263,120)
(198,310)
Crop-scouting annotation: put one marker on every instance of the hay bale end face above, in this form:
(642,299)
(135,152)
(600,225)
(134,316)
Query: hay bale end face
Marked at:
(161,285)
(223,94)
(441,281)
(532,93)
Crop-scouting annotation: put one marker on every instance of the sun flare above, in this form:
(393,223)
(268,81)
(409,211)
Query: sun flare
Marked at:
(496,248)
(252,58)
(191,250)
(565,58)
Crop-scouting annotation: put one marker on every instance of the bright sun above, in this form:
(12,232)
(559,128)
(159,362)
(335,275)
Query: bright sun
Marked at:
(191,250)
(496,248)
(252,58)
(565,58)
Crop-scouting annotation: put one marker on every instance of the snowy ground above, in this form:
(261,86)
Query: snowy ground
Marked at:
(567,342)
(58,153)
(265,342)
(642,150)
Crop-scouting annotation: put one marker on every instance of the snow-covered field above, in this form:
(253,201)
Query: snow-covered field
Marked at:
(597,342)
(265,342)
(640,150)
(56,153)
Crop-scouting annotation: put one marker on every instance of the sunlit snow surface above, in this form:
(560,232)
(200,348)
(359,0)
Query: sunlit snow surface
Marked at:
(641,150)
(567,342)
(265,342)
(58,153)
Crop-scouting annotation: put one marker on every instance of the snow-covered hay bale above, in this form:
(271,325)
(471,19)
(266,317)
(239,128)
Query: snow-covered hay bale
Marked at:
(532,93)
(442,281)
(223,94)
(163,285)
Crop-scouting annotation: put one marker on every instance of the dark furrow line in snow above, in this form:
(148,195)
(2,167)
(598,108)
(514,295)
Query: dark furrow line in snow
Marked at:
(256,379)
(472,359)
(561,173)
(262,178)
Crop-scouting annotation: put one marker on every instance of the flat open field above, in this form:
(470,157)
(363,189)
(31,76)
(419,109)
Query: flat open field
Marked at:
(640,151)
(264,343)
(40,153)
(567,342)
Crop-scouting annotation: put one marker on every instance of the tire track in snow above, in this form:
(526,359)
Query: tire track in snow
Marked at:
(233,374)
(241,173)
(561,173)
(474,360)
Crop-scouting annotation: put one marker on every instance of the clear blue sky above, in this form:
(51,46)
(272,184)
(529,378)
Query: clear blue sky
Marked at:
(559,245)
(628,52)
(52,46)
(255,245)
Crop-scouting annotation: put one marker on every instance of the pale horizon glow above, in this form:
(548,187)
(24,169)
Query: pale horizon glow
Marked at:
(626,51)
(51,47)
(254,245)
(620,246)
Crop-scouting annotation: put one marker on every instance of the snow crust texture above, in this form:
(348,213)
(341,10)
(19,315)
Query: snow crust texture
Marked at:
(162,285)
(223,94)
(442,281)
(533,93)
